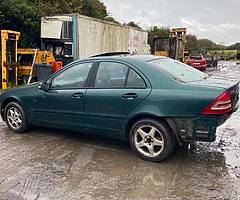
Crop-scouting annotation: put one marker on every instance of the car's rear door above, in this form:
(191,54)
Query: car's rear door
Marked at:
(116,90)
(63,104)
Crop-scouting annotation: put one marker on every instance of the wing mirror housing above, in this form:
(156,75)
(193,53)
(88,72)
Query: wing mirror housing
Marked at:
(44,86)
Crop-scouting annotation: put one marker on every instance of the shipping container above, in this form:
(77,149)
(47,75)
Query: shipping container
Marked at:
(74,36)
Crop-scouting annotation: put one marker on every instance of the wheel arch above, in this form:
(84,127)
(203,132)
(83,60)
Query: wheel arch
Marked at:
(6,101)
(168,121)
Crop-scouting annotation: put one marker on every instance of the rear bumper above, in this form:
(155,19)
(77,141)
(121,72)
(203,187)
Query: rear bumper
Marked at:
(202,128)
(200,67)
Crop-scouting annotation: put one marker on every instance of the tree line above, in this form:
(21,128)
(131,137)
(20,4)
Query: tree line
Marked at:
(194,45)
(25,16)
(203,45)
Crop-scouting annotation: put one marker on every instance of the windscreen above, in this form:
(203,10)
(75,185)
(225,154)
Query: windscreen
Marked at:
(177,70)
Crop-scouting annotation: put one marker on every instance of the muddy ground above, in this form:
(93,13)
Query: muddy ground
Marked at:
(54,164)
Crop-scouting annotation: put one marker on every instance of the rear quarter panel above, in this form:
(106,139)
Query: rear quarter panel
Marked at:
(185,102)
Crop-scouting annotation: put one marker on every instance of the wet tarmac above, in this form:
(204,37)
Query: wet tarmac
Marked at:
(54,164)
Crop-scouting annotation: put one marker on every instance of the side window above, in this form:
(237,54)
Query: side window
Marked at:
(111,75)
(74,77)
(135,81)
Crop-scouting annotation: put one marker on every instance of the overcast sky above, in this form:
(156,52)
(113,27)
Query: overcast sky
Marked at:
(218,20)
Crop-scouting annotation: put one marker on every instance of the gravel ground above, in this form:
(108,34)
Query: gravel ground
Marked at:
(54,164)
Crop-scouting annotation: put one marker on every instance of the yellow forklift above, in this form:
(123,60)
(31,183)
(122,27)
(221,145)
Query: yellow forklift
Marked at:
(28,58)
(8,58)
(18,66)
(173,46)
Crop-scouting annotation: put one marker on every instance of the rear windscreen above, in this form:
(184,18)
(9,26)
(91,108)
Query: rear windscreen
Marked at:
(177,70)
(196,57)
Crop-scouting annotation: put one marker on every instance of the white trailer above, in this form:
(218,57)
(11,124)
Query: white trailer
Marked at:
(76,36)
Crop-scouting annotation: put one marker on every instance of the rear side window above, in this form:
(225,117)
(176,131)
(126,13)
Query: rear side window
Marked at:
(134,80)
(111,75)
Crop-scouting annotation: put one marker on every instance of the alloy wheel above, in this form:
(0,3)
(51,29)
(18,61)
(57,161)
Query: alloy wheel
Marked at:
(149,141)
(14,117)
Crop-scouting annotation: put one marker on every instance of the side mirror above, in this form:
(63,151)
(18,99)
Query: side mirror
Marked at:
(43,86)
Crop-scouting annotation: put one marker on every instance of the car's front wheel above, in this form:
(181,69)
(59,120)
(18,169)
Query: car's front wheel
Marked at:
(15,117)
(151,140)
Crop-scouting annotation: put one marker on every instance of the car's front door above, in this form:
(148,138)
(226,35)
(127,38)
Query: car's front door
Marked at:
(63,105)
(116,90)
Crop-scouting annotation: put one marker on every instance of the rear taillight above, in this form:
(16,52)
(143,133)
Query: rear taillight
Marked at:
(220,105)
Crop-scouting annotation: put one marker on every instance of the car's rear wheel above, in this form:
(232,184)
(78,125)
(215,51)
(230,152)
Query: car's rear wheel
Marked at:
(15,117)
(151,140)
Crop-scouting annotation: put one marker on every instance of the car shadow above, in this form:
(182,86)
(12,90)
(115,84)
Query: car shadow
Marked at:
(195,153)
(81,137)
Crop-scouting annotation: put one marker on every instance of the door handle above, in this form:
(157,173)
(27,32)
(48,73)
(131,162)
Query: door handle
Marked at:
(78,95)
(130,96)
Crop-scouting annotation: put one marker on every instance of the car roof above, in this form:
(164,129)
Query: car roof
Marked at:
(143,58)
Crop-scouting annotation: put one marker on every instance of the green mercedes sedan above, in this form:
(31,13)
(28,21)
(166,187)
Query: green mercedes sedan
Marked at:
(152,102)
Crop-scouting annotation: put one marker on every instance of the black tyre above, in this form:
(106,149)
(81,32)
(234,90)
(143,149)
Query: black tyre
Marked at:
(15,117)
(151,140)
